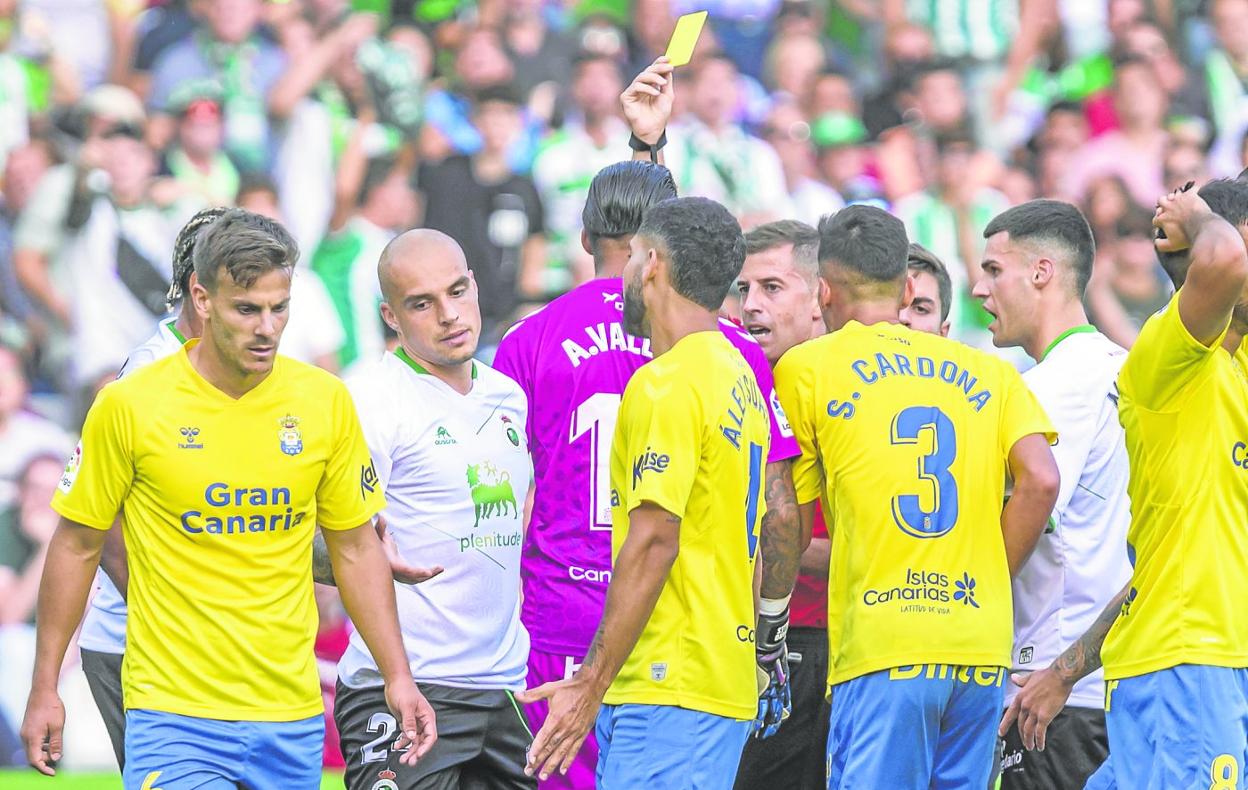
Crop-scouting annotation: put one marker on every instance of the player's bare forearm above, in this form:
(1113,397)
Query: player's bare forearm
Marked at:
(113,558)
(781,533)
(322,566)
(367,590)
(817,558)
(640,570)
(1083,657)
(73,557)
(1036,483)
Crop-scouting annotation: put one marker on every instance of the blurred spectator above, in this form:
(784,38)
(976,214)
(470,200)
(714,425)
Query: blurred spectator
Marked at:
(493,212)
(787,130)
(1106,203)
(374,208)
(33,75)
(540,55)
(1184,162)
(23,169)
(592,137)
(229,53)
(24,435)
(153,31)
(41,237)
(832,92)
(199,170)
(313,332)
(939,99)
(841,157)
(710,154)
(1135,150)
(793,62)
(948,219)
(121,243)
(1065,127)
(35,523)
(1128,284)
(907,46)
(1186,91)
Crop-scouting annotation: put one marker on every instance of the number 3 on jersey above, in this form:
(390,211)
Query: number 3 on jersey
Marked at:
(597,416)
(910,427)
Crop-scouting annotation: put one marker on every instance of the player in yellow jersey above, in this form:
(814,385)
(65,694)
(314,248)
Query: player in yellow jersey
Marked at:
(674,655)
(224,457)
(1176,655)
(907,438)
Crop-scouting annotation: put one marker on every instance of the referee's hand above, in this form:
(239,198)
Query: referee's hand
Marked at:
(573,709)
(42,729)
(419,729)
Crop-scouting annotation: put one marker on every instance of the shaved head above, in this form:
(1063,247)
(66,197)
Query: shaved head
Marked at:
(430,298)
(409,251)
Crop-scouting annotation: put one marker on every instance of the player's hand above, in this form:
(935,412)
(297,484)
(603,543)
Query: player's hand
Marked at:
(1044,694)
(1176,215)
(647,102)
(573,710)
(775,698)
(42,729)
(399,569)
(418,728)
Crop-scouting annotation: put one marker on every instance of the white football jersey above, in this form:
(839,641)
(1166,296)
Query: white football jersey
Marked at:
(1080,562)
(104,627)
(456,471)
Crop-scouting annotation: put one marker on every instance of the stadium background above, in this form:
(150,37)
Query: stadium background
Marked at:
(350,121)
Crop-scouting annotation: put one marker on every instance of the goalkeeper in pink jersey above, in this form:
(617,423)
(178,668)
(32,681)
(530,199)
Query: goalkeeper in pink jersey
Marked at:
(573,360)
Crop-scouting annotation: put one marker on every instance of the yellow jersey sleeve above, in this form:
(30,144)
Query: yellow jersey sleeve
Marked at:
(660,427)
(1164,359)
(350,491)
(795,388)
(1021,413)
(99,474)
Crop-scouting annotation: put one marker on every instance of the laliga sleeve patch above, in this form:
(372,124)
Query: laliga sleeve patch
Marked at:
(71,470)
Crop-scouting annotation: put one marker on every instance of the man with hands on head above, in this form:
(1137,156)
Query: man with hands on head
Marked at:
(1175,644)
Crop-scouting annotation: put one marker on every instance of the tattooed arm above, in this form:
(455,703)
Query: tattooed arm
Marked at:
(1044,693)
(640,571)
(322,568)
(782,538)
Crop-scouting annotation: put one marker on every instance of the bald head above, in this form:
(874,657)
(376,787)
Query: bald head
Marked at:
(411,251)
(430,298)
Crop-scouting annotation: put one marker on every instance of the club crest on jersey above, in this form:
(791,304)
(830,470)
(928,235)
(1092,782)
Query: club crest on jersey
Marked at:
(289,435)
(513,435)
(190,439)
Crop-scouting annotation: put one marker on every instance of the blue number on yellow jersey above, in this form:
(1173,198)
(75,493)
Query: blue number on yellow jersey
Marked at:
(1184,407)
(906,437)
(221,497)
(692,437)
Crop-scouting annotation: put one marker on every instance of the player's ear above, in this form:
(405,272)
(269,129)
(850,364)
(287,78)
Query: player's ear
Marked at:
(824,295)
(388,316)
(1042,272)
(585,245)
(201,300)
(907,291)
(944,328)
(650,269)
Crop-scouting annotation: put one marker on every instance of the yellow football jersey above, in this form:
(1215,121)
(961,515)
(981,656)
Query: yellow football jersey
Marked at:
(221,497)
(906,435)
(1184,408)
(692,437)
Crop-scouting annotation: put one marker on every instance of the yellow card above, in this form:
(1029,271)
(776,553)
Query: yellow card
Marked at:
(685,37)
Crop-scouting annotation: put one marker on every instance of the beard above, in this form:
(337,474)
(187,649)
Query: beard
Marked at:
(635,310)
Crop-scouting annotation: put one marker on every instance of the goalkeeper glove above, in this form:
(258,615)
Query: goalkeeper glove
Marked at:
(775,700)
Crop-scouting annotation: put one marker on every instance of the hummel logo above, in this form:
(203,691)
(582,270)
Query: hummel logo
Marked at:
(190,435)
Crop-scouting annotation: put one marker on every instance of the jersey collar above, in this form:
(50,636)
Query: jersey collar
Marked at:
(1074,330)
(172,324)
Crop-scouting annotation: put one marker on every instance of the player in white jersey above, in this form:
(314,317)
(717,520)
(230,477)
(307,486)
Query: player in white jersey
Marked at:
(1036,267)
(447,436)
(103,637)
